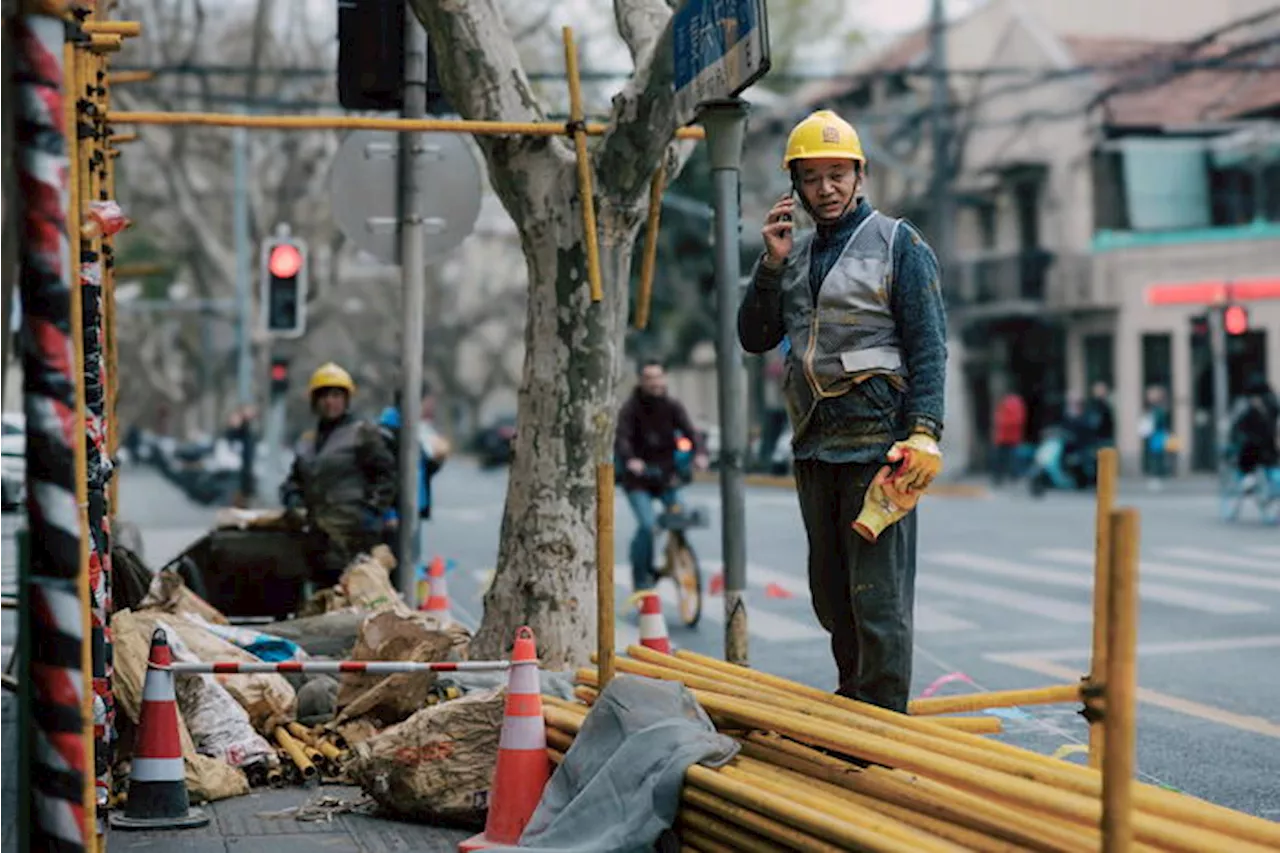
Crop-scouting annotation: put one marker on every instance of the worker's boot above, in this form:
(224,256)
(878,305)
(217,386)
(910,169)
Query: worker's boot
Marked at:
(883,505)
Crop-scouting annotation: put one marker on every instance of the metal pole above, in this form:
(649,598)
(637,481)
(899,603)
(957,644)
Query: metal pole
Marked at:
(413,268)
(726,124)
(942,219)
(273,434)
(244,272)
(1221,377)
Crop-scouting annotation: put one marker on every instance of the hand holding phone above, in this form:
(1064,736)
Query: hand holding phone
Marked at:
(778,227)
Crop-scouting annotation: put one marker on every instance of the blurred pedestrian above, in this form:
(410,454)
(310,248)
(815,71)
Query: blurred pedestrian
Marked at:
(242,432)
(342,475)
(1154,430)
(1009,429)
(433,451)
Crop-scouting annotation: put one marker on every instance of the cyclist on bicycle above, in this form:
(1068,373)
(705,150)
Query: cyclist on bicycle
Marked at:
(1253,435)
(650,426)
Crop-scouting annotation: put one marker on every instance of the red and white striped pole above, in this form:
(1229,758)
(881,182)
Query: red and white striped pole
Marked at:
(236,667)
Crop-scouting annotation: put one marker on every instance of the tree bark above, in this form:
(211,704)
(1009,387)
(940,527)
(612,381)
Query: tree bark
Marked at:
(546,573)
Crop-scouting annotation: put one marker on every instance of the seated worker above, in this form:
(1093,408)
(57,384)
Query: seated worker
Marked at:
(343,475)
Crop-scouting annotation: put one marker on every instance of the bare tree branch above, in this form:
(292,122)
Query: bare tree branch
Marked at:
(640,23)
(643,121)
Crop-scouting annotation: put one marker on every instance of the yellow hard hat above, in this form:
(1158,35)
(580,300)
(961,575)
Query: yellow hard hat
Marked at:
(823,134)
(331,375)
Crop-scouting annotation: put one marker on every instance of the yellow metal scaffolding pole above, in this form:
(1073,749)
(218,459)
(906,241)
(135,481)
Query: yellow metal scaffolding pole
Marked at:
(586,193)
(76,189)
(1095,683)
(401,125)
(650,259)
(126,29)
(1121,685)
(118,77)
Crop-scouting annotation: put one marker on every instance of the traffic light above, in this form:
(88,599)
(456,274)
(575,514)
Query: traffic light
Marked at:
(371,58)
(371,54)
(1235,319)
(1200,326)
(279,377)
(284,287)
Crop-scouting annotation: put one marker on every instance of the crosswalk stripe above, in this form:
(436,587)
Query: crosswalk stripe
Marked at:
(1265,551)
(1081,557)
(1037,605)
(1213,557)
(1163,593)
(930,619)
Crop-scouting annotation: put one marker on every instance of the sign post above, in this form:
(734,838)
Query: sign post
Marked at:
(720,48)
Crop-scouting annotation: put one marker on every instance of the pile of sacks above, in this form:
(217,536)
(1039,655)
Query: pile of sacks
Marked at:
(422,745)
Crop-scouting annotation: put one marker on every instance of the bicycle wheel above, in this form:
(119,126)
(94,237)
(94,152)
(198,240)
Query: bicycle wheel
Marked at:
(687,574)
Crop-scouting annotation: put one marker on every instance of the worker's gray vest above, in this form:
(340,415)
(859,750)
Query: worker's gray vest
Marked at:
(852,333)
(332,477)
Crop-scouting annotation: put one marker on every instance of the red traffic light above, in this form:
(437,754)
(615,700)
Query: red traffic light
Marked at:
(279,372)
(1235,319)
(285,261)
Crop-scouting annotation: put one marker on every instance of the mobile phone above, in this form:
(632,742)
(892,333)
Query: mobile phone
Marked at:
(786,217)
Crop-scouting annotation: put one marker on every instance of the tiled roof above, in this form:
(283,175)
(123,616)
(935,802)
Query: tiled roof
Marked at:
(1140,88)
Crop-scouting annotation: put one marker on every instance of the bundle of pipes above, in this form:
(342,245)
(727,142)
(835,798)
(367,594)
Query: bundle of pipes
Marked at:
(307,755)
(819,772)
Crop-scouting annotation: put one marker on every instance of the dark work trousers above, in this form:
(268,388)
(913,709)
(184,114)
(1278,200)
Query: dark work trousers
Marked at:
(863,594)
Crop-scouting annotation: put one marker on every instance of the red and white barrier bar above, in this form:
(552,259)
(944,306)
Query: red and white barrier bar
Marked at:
(336,666)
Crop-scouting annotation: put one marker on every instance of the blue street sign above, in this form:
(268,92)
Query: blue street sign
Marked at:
(721,47)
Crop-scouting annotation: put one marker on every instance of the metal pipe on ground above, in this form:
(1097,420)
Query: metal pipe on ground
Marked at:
(298,757)
(1146,797)
(1050,695)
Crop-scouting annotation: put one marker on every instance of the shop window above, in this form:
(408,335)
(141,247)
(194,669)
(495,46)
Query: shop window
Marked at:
(1099,364)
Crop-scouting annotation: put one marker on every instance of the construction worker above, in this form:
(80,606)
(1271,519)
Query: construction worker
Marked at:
(343,474)
(861,303)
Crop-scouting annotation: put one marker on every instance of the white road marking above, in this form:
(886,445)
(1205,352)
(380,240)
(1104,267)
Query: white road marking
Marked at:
(932,620)
(1221,644)
(1214,557)
(1081,557)
(1265,551)
(1163,593)
(1037,605)
(761,622)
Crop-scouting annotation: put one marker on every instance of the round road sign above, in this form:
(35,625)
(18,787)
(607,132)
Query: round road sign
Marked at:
(365,186)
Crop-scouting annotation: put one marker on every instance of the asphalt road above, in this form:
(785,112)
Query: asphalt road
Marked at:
(1003,602)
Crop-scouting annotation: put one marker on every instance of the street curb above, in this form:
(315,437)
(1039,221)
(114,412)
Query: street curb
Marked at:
(776,481)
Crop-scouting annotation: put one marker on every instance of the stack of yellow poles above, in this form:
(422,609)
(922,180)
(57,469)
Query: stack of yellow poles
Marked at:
(822,772)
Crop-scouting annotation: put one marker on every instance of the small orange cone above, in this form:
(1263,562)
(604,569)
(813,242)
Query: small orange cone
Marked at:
(157,784)
(717,584)
(523,767)
(437,601)
(653,626)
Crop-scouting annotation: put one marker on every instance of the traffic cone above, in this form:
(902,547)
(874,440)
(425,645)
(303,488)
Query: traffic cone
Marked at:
(157,784)
(653,625)
(523,768)
(437,602)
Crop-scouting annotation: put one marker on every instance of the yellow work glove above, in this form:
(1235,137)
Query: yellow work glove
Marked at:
(921,461)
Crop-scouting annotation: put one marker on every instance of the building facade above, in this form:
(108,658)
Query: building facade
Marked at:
(1085,169)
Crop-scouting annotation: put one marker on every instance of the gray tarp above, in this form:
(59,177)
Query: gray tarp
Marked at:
(619,785)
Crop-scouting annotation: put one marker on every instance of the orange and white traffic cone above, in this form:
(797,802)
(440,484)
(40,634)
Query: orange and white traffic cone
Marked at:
(523,767)
(157,784)
(437,602)
(653,625)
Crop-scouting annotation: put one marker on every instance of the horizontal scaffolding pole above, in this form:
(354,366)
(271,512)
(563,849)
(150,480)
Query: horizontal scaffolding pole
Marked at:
(235,667)
(429,125)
